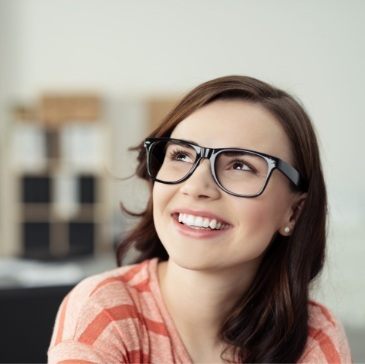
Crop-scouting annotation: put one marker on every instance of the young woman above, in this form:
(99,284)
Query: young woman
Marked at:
(231,238)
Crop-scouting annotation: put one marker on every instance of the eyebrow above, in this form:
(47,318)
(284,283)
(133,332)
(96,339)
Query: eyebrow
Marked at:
(233,153)
(187,141)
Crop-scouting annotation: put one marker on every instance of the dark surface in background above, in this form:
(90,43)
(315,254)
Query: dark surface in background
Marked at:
(87,189)
(27,317)
(36,189)
(81,238)
(36,238)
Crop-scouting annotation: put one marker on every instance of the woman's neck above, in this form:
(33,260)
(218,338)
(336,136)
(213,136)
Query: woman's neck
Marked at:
(199,301)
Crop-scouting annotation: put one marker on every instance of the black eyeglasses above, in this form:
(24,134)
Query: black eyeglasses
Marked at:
(239,172)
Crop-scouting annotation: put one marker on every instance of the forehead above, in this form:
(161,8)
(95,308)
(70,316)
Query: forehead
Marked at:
(235,123)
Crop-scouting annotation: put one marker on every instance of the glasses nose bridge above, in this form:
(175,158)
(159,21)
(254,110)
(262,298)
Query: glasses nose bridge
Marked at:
(205,153)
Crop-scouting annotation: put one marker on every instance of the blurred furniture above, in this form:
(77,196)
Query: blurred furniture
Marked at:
(158,108)
(57,153)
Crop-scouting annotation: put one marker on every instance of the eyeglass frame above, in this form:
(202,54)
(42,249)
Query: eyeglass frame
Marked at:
(211,154)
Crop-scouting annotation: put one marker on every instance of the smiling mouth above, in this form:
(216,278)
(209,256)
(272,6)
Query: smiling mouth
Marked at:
(200,222)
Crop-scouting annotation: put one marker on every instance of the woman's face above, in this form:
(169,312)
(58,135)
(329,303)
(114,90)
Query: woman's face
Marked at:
(252,222)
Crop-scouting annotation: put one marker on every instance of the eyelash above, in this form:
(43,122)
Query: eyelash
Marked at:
(174,153)
(250,167)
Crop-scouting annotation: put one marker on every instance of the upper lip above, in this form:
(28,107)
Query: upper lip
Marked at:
(201,213)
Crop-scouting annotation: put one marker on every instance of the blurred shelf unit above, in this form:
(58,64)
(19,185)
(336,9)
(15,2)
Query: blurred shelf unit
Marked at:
(158,108)
(58,152)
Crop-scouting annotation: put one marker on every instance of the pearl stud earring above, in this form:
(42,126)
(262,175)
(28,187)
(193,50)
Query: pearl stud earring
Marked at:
(287,229)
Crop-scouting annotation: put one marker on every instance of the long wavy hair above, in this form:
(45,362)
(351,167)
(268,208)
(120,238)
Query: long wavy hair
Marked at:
(269,323)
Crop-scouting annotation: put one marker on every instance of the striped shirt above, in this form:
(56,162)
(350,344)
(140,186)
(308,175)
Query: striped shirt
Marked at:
(119,317)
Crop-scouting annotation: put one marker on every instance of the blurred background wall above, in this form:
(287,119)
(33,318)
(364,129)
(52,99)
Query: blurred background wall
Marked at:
(132,52)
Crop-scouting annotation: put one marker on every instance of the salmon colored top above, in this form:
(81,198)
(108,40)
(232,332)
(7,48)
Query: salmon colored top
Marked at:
(119,317)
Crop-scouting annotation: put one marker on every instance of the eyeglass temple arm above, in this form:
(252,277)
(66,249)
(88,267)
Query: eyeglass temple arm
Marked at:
(290,172)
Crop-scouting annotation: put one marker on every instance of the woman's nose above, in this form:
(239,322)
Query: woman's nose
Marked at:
(201,183)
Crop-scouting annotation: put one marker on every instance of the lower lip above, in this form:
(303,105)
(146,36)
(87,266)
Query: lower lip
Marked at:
(198,233)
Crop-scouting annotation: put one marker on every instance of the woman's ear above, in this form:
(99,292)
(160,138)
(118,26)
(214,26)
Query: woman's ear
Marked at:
(297,206)
(293,214)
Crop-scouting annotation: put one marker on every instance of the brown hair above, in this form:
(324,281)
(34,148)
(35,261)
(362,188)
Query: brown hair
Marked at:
(269,323)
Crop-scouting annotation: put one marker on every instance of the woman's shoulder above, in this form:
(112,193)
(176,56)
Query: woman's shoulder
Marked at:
(125,277)
(327,341)
(89,320)
(117,286)
(320,316)
(106,295)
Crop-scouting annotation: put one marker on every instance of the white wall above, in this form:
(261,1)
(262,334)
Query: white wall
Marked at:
(9,65)
(314,49)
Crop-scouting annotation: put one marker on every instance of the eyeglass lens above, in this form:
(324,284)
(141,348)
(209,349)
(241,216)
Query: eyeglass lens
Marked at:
(241,173)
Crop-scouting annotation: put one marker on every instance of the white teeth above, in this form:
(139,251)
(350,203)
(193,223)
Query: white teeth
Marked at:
(190,220)
(206,222)
(199,221)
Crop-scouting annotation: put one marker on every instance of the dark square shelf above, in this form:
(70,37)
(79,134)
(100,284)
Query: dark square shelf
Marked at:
(81,238)
(87,189)
(36,189)
(36,239)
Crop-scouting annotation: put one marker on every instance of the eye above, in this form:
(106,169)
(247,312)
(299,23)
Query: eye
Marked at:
(180,155)
(242,166)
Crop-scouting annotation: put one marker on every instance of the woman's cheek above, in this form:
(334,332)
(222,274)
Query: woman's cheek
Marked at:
(161,195)
(255,213)
(257,226)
